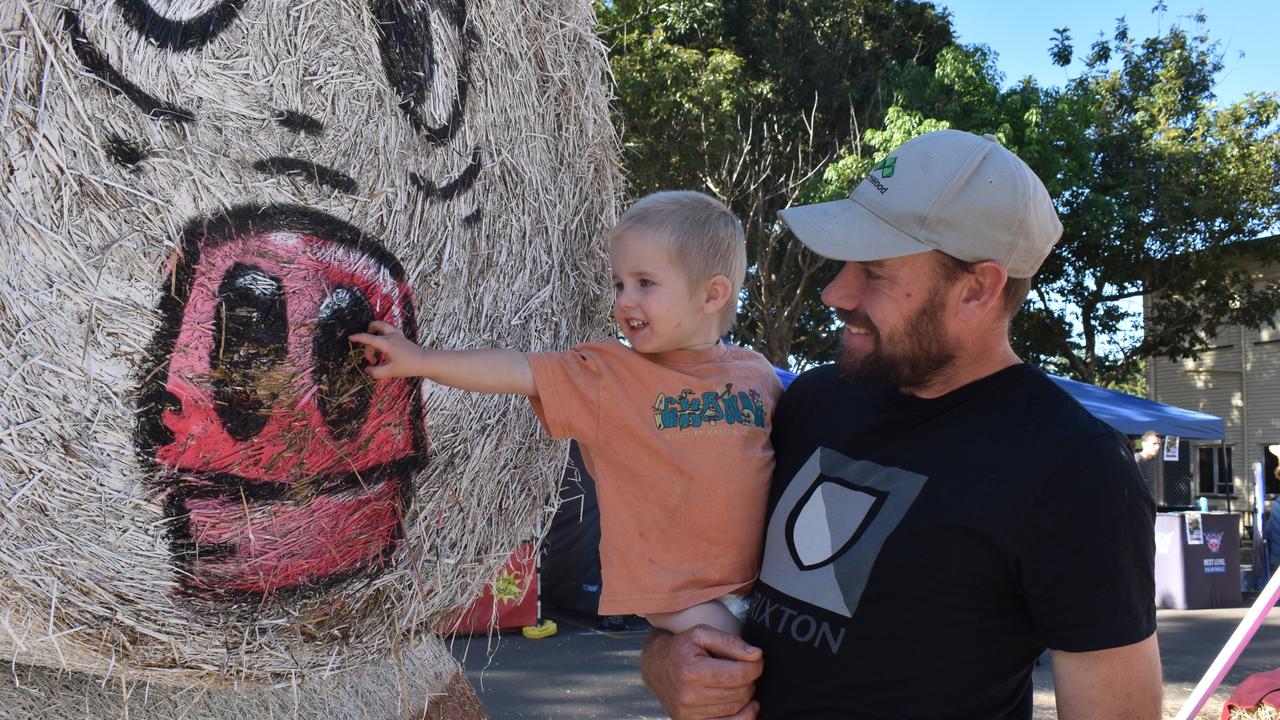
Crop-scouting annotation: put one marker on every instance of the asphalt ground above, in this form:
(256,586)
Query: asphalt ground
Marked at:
(586,672)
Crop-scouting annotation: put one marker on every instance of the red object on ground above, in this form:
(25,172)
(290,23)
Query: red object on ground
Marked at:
(1258,690)
(516,603)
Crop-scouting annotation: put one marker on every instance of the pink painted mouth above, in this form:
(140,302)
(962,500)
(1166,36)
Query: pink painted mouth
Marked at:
(261,546)
(284,466)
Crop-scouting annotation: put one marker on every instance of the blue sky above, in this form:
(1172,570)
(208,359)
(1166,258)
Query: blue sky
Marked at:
(1021,32)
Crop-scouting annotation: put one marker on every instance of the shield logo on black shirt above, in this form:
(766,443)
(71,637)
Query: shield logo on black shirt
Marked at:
(829,525)
(830,517)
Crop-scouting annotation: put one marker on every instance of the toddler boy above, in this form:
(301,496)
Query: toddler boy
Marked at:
(674,428)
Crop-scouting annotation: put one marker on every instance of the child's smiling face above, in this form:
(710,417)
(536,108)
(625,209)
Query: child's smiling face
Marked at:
(654,304)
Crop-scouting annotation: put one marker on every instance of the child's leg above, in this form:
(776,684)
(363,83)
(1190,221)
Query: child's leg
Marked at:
(712,613)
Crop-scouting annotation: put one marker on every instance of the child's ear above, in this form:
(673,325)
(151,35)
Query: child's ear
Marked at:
(717,294)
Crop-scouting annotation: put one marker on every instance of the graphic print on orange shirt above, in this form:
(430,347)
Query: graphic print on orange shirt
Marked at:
(689,410)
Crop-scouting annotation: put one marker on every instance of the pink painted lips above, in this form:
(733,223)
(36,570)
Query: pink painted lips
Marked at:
(283,465)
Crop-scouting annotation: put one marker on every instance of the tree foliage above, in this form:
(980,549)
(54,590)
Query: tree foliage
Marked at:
(747,99)
(768,103)
(1158,186)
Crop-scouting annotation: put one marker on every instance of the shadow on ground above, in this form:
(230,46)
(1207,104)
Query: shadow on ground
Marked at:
(585,672)
(581,672)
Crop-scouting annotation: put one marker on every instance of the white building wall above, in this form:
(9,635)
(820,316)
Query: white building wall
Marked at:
(1238,380)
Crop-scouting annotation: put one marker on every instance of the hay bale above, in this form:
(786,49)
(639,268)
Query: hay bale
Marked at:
(198,486)
(396,687)
(1255,698)
(1259,713)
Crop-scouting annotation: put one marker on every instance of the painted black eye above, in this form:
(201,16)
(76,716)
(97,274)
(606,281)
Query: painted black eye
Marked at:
(344,392)
(250,336)
(426,52)
(187,34)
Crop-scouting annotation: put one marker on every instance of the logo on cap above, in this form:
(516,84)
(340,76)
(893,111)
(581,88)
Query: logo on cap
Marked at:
(886,166)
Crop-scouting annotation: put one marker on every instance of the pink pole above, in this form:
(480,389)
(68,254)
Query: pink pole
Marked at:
(1231,651)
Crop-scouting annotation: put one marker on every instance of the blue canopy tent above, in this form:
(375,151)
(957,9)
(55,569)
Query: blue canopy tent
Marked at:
(1134,415)
(1129,414)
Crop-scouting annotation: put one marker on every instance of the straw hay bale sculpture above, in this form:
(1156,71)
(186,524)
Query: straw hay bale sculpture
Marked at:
(206,508)
(1262,712)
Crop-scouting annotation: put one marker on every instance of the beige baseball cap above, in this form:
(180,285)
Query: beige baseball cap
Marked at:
(948,190)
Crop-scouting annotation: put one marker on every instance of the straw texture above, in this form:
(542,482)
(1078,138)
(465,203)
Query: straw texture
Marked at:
(1260,713)
(396,688)
(199,488)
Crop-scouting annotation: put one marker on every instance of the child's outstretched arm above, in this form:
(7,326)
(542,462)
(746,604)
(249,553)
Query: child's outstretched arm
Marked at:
(487,371)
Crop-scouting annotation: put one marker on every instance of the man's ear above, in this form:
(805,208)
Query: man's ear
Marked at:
(982,290)
(718,291)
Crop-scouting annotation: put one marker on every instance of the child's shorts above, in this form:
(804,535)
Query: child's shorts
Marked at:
(736,604)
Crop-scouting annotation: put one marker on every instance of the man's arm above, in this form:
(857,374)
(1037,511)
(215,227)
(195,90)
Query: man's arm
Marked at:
(486,371)
(1111,684)
(702,673)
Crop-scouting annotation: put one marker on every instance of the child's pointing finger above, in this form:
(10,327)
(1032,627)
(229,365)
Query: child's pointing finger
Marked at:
(371,344)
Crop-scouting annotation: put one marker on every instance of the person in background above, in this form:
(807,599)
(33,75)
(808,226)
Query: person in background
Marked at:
(1148,450)
(1149,447)
(1271,532)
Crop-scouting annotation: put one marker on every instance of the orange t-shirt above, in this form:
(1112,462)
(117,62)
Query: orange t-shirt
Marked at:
(681,457)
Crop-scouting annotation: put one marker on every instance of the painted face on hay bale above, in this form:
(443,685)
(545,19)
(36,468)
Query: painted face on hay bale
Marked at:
(204,199)
(283,465)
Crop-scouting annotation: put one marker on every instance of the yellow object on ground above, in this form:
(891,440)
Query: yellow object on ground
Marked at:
(544,629)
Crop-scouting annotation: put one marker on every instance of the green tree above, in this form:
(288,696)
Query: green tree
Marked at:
(747,100)
(1157,185)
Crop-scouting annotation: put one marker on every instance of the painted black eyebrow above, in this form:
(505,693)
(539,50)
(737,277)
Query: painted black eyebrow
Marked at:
(307,171)
(179,35)
(462,183)
(101,68)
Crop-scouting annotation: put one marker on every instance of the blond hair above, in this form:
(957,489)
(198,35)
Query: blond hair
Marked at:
(704,236)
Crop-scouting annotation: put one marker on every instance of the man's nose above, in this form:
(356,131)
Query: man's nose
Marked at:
(844,290)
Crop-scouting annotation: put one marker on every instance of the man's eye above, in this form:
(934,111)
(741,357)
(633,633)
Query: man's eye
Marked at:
(646,283)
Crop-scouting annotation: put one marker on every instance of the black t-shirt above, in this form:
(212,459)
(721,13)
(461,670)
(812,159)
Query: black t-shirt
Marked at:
(922,553)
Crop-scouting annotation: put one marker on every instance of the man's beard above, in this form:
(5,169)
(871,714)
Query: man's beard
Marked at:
(920,353)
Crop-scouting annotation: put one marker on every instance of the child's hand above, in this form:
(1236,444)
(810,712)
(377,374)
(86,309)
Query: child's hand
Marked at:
(388,352)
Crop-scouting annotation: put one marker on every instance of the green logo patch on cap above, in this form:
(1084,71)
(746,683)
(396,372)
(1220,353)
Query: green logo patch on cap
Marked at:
(886,166)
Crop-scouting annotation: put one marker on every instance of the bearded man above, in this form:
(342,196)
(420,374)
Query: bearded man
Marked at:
(941,512)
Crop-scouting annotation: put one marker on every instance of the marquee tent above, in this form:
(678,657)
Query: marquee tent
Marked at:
(1129,414)
(1133,415)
